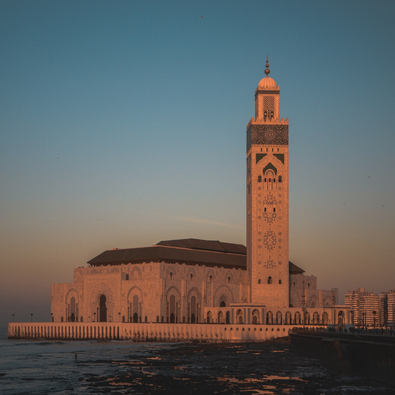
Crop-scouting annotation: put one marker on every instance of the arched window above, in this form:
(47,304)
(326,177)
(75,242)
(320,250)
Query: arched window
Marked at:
(259,281)
(222,304)
(279,318)
(171,275)
(255,317)
(239,316)
(228,279)
(172,309)
(72,310)
(103,309)
(135,309)
(269,280)
(193,310)
(191,276)
(211,278)
(279,281)
(280,179)
(127,276)
(259,178)
(274,209)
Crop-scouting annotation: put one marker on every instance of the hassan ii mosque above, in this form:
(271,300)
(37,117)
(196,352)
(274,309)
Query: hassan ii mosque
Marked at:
(191,283)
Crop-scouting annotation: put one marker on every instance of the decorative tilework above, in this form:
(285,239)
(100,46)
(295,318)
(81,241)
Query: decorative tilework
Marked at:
(267,134)
(270,199)
(270,263)
(269,217)
(269,240)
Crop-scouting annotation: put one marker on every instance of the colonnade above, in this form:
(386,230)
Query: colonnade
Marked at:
(150,332)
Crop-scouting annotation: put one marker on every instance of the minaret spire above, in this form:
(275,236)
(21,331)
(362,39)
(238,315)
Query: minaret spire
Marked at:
(267,71)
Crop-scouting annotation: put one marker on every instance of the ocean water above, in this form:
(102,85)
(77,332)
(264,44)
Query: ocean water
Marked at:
(117,367)
(59,367)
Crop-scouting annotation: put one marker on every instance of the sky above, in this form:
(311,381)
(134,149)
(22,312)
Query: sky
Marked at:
(123,123)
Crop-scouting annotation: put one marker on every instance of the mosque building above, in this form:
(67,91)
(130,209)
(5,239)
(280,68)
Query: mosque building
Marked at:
(203,281)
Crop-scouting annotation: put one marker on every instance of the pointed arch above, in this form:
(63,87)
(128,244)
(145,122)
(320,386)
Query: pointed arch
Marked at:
(97,302)
(194,305)
(135,300)
(72,303)
(223,295)
(173,304)
(269,166)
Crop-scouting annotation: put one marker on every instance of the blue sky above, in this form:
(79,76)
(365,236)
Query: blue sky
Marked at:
(122,123)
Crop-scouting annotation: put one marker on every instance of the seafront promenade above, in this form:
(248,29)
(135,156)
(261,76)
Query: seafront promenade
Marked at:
(160,332)
(350,353)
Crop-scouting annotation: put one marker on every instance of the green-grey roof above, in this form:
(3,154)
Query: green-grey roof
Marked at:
(187,251)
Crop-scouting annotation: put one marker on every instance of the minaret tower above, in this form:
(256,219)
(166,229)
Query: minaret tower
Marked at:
(268,198)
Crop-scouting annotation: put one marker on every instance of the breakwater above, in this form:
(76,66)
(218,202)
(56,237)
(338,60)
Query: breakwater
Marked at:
(367,354)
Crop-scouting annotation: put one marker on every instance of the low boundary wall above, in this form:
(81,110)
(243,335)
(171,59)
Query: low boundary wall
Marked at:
(149,332)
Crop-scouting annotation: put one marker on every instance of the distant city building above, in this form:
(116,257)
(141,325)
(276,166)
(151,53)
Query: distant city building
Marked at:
(202,281)
(364,308)
(387,308)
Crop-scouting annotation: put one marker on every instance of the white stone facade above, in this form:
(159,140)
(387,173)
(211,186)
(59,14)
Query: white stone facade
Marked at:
(148,292)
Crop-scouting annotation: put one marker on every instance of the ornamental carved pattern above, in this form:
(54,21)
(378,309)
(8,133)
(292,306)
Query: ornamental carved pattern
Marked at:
(269,217)
(269,240)
(269,263)
(269,199)
(267,134)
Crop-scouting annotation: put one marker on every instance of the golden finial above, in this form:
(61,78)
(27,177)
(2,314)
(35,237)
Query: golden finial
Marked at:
(267,71)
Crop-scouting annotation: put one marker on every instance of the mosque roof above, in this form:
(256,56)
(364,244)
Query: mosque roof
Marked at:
(187,251)
(209,245)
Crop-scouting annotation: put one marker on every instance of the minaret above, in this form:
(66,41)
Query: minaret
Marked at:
(268,198)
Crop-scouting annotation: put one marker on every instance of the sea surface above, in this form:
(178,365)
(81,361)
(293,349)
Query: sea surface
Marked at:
(117,367)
